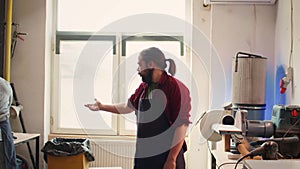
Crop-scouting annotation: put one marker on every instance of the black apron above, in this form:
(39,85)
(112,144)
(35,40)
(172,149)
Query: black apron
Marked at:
(153,144)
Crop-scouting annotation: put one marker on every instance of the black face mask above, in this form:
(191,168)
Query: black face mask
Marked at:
(147,77)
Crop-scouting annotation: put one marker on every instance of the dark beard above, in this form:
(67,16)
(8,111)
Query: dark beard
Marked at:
(147,77)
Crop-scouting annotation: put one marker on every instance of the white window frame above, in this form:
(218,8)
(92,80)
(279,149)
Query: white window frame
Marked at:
(70,36)
(118,122)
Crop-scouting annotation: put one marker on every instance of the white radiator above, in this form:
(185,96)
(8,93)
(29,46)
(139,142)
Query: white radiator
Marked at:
(113,153)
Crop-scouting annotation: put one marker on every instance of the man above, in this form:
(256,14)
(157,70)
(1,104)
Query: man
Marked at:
(162,106)
(5,102)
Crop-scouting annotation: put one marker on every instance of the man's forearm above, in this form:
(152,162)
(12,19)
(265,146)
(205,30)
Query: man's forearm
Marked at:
(178,141)
(117,108)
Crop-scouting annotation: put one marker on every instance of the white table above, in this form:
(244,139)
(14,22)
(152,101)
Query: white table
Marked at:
(22,138)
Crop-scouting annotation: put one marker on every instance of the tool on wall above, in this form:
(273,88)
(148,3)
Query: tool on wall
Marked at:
(17,35)
(9,35)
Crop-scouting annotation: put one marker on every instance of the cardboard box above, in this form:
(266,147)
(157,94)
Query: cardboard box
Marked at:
(69,162)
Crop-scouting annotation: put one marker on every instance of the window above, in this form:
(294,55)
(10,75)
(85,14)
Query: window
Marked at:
(103,60)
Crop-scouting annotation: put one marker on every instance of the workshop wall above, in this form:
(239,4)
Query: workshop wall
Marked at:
(28,64)
(283,47)
(230,29)
(248,28)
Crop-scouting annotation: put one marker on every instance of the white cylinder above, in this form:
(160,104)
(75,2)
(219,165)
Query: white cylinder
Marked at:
(248,79)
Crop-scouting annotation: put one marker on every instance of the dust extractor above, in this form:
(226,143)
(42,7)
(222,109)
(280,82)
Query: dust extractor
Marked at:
(248,84)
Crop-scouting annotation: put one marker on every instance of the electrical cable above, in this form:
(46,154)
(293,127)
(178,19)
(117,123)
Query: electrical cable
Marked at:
(252,153)
(268,150)
(291,128)
(241,159)
(292,34)
(279,101)
(201,117)
(227,163)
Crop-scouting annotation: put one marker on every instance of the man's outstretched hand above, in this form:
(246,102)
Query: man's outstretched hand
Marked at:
(95,106)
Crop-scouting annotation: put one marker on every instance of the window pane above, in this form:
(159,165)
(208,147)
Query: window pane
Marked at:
(68,118)
(92,15)
(171,50)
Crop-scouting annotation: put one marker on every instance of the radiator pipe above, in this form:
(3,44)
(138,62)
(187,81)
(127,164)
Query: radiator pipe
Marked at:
(8,40)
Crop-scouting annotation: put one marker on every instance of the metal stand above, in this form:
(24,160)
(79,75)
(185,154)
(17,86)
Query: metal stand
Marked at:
(22,124)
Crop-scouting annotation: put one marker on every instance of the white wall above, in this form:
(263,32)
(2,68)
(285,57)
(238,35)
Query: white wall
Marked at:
(28,64)
(282,49)
(198,153)
(230,29)
(248,28)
